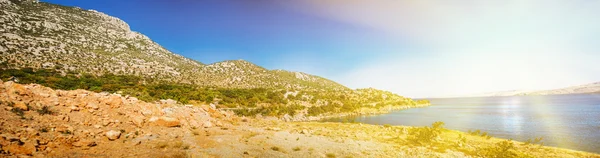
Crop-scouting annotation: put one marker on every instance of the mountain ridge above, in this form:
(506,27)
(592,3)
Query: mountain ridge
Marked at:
(589,88)
(73,39)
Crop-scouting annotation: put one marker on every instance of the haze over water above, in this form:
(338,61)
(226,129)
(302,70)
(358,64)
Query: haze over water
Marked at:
(569,121)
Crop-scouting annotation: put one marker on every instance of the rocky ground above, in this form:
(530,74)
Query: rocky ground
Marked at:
(40,122)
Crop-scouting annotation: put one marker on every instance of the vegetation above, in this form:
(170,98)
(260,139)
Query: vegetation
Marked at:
(330,155)
(18,112)
(503,149)
(275,148)
(146,89)
(245,102)
(535,141)
(425,135)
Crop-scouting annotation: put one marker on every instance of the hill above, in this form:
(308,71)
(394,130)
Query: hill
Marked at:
(69,39)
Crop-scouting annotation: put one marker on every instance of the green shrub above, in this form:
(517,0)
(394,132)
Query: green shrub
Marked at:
(275,148)
(425,135)
(484,134)
(330,155)
(503,149)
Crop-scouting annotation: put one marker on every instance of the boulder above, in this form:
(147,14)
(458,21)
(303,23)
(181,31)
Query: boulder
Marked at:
(165,121)
(113,135)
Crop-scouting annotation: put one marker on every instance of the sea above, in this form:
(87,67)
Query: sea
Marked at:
(566,121)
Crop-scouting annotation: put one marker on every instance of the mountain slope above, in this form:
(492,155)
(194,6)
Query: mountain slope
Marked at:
(42,35)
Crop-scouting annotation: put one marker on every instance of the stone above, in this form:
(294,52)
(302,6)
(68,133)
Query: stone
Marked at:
(106,122)
(21,106)
(138,121)
(64,129)
(194,124)
(168,101)
(114,101)
(165,121)
(92,105)
(27,148)
(304,131)
(113,135)
(74,108)
(207,124)
(287,118)
(84,143)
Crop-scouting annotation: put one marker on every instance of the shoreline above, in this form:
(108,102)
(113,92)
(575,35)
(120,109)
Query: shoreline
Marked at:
(362,111)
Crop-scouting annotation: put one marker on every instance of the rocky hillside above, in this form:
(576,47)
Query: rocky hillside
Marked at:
(70,39)
(40,121)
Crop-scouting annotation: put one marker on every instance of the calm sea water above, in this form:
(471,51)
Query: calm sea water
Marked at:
(568,121)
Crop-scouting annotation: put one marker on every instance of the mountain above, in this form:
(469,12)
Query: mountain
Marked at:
(69,39)
(580,89)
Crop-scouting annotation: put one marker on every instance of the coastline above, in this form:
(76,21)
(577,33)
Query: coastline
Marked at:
(362,111)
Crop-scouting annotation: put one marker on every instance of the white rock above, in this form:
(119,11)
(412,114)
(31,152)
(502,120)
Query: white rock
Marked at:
(113,135)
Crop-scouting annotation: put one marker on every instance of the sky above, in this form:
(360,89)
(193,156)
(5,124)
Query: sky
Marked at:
(427,48)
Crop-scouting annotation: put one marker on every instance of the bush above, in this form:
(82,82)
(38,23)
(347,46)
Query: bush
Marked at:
(476,132)
(424,135)
(275,148)
(503,149)
(330,155)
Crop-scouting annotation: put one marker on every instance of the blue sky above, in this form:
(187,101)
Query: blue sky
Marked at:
(413,48)
(262,32)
